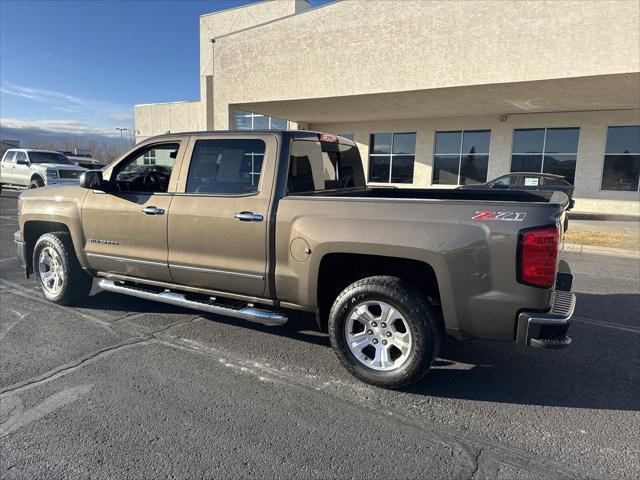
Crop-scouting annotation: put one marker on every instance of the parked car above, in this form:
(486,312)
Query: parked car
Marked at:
(255,224)
(529,181)
(26,167)
(86,162)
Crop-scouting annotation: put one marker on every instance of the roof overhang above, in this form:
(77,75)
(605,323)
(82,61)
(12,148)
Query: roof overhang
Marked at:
(603,92)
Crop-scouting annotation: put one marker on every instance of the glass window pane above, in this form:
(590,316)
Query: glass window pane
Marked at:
(473,169)
(404,143)
(528,141)
(506,180)
(278,124)
(526,163)
(261,123)
(381,143)
(621,172)
(242,113)
(243,123)
(445,169)
(562,140)
(448,142)
(476,142)
(564,165)
(379,169)
(623,139)
(402,169)
(224,166)
(303,154)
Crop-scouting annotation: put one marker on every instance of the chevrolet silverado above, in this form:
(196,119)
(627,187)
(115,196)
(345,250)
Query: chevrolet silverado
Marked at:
(254,225)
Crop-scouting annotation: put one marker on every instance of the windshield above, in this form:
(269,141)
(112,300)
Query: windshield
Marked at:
(49,157)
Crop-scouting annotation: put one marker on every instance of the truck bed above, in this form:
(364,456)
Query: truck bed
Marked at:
(441,194)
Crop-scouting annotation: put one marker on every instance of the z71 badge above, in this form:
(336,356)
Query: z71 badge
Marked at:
(500,216)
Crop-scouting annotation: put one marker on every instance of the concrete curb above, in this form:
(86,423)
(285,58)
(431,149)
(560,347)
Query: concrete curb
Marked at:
(597,250)
(612,217)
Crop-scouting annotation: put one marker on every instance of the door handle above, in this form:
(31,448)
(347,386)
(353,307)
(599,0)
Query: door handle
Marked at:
(248,217)
(153,211)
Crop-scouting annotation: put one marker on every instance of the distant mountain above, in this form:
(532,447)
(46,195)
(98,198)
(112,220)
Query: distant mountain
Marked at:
(41,136)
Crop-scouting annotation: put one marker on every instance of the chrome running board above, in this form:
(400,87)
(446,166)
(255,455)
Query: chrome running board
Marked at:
(246,312)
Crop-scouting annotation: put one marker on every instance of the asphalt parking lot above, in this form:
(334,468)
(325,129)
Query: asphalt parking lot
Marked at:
(117,387)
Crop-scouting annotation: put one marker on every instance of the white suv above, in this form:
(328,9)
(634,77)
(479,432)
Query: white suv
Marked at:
(26,167)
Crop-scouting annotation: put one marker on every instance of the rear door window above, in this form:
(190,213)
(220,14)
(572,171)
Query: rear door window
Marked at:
(533,181)
(507,181)
(226,166)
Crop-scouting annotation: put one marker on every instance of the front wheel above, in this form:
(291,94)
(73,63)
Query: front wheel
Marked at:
(384,331)
(60,275)
(36,183)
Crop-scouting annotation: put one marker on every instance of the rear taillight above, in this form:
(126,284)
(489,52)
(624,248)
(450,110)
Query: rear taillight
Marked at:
(539,256)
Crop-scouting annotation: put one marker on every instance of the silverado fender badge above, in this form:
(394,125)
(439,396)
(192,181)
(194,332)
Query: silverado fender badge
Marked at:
(500,216)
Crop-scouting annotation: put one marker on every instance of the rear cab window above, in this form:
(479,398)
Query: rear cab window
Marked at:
(323,165)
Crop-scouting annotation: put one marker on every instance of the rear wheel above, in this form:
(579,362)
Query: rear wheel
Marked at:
(60,275)
(36,183)
(384,331)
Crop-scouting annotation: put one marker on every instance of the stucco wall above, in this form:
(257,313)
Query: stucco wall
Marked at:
(218,24)
(593,128)
(359,46)
(159,118)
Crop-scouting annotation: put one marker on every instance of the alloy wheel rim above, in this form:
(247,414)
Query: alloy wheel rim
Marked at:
(50,270)
(378,336)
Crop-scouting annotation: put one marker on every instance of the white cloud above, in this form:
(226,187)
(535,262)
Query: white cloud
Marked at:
(68,127)
(39,94)
(95,111)
(122,116)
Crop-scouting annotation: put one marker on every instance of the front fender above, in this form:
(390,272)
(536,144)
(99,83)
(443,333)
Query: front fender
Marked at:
(57,204)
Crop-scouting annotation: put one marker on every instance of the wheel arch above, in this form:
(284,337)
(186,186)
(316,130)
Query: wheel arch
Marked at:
(36,176)
(337,270)
(33,230)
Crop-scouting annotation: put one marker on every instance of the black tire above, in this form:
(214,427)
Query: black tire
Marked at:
(76,284)
(421,317)
(36,183)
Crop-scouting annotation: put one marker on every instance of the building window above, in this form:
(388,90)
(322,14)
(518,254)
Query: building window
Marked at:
(547,150)
(150,157)
(622,159)
(461,157)
(391,157)
(255,162)
(255,121)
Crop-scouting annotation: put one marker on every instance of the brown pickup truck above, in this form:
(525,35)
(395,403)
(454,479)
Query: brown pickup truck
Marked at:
(256,224)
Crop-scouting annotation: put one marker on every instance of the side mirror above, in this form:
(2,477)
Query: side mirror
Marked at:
(92,180)
(23,161)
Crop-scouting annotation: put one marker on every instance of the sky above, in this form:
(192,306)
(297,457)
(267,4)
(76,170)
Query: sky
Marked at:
(76,68)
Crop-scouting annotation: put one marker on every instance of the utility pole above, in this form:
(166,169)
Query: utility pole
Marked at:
(121,144)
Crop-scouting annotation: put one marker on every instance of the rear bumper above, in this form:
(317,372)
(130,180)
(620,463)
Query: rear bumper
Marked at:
(549,329)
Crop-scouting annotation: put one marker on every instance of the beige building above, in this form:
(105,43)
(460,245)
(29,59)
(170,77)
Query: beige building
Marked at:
(435,93)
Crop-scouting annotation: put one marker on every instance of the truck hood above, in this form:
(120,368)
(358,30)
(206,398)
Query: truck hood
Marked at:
(56,166)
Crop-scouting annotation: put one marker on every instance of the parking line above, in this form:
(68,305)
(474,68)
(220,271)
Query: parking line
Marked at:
(615,326)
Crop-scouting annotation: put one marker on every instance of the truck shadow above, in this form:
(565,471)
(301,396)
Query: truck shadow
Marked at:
(598,370)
